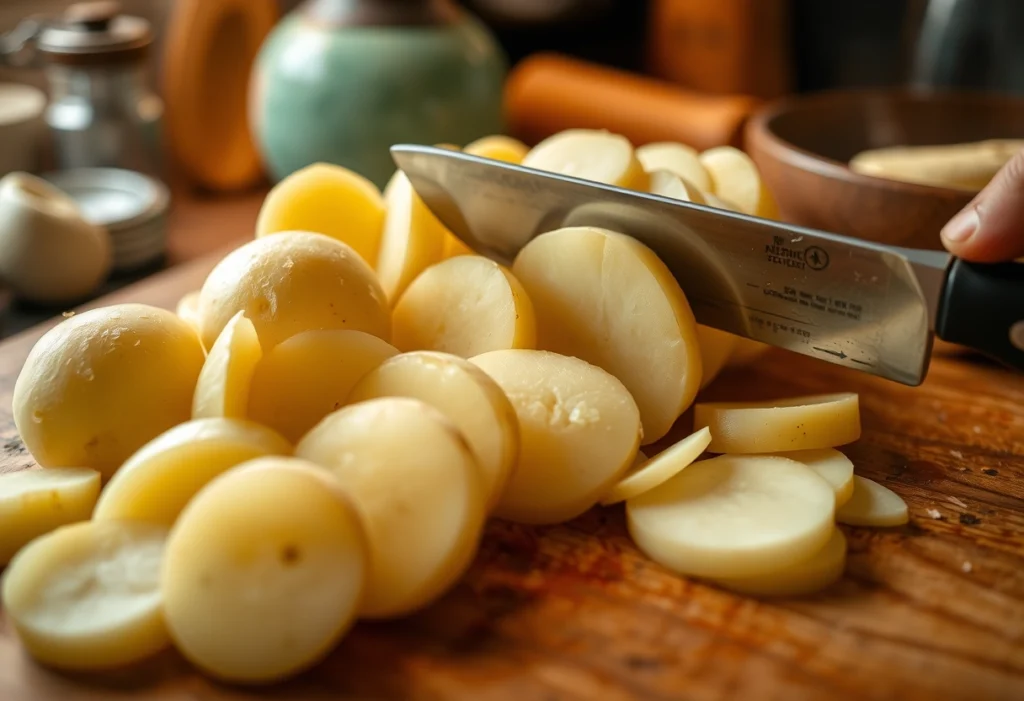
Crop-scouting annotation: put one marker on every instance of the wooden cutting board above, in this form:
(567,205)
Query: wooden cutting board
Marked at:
(933,610)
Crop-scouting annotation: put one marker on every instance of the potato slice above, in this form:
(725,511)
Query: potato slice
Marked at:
(87,596)
(668,184)
(736,179)
(716,201)
(413,238)
(102,383)
(466,306)
(798,423)
(579,431)
(294,282)
(453,246)
(465,394)
(156,482)
(833,466)
(734,516)
(264,571)
(498,147)
(716,347)
(660,468)
(746,351)
(38,500)
(821,570)
(326,199)
(310,375)
(589,154)
(872,505)
(680,159)
(606,298)
(188,309)
(223,386)
(417,485)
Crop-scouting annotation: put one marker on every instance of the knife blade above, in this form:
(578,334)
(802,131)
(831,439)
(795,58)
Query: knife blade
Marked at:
(866,306)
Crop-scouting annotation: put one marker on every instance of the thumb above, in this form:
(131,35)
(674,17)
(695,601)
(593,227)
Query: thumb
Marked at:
(991,228)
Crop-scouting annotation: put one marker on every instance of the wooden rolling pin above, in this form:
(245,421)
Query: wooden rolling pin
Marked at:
(546,93)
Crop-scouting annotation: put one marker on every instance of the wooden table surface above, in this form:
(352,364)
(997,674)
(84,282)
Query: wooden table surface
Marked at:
(933,610)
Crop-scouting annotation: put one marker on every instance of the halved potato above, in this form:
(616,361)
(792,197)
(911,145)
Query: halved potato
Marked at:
(668,184)
(589,154)
(412,241)
(736,179)
(223,386)
(676,158)
(498,147)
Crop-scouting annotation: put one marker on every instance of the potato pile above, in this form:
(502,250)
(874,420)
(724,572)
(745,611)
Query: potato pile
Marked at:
(321,432)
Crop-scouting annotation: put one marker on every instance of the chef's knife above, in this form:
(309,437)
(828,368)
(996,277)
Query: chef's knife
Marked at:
(866,306)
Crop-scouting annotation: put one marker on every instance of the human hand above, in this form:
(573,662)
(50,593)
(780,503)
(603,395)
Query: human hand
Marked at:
(991,228)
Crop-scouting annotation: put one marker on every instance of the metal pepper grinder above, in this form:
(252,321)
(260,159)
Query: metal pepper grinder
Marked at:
(102,112)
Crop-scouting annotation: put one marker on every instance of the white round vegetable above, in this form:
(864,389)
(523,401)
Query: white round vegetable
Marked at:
(416,483)
(223,386)
(579,430)
(680,159)
(736,179)
(734,516)
(659,469)
(872,505)
(589,154)
(833,466)
(412,241)
(87,596)
(264,571)
(806,577)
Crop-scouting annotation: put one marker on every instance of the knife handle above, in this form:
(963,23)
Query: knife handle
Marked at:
(982,307)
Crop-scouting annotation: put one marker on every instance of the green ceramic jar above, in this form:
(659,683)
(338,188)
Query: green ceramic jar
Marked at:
(340,81)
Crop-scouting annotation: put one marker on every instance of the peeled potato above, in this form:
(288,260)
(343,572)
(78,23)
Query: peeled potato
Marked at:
(579,431)
(87,596)
(413,239)
(736,179)
(327,199)
(156,483)
(453,246)
(100,384)
(417,486)
(465,394)
(833,466)
(734,516)
(264,571)
(716,347)
(498,147)
(310,375)
(662,467)
(799,423)
(294,282)
(668,184)
(680,159)
(223,386)
(608,299)
(188,309)
(36,501)
(872,505)
(589,154)
(466,306)
(806,577)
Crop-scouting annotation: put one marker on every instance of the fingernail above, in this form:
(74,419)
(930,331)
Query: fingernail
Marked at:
(962,226)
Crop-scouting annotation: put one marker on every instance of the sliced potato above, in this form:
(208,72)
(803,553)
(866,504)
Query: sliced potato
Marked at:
(589,154)
(716,347)
(416,483)
(798,423)
(833,466)
(736,179)
(188,309)
(38,500)
(264,571)
(223,386)
(668,184)
(326,199)
(294,282)
(413,239)
(680,159)
(608,299)
(872,505)
(716,201)
(579,431)
(453,246)
(734,516)
(157,481)
(821,570)
(466,306)
(310,375)
(87,596)
(662,467)
(498,147)
(100,384)
(465,394)
(746,351)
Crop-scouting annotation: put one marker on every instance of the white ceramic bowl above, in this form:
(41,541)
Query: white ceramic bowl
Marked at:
(21,127)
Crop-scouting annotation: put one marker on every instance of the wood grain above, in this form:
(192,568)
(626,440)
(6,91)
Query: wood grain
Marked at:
(934,610)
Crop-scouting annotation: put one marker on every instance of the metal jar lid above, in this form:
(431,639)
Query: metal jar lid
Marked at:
(95,32)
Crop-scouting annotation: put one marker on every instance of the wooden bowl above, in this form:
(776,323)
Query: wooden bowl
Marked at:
(802,146)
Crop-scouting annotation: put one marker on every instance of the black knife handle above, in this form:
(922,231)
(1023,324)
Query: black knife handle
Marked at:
(982,307)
